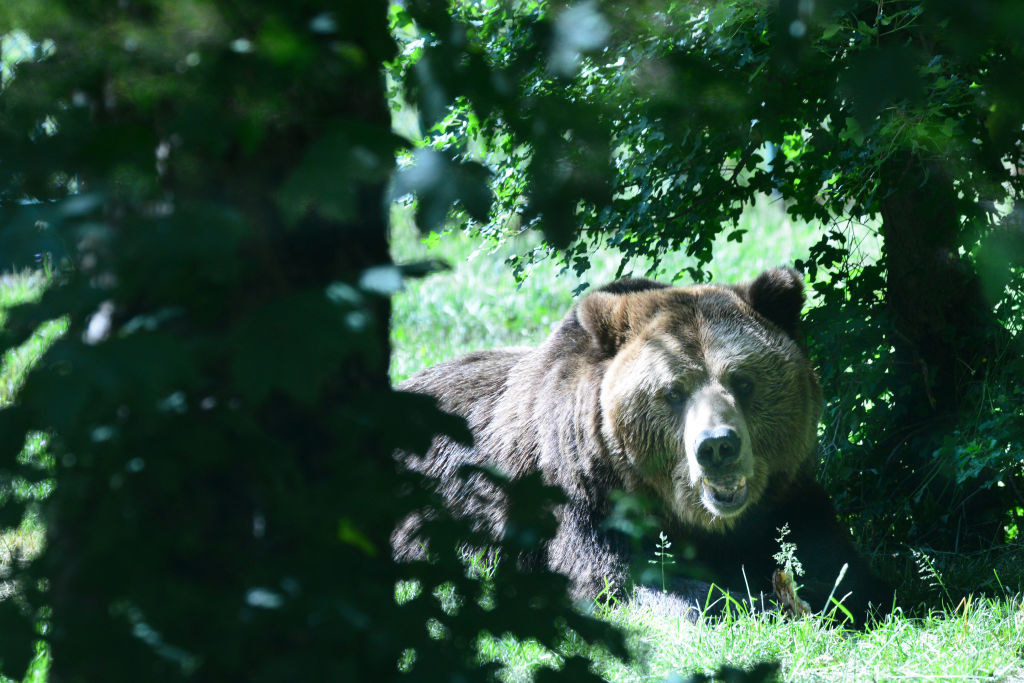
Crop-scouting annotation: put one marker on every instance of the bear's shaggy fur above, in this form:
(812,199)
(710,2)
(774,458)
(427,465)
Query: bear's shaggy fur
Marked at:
(700,398)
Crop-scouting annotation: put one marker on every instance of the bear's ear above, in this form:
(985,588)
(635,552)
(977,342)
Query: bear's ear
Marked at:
(778,295)
(605,319)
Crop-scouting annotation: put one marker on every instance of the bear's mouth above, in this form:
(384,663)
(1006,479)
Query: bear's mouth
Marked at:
(725,496)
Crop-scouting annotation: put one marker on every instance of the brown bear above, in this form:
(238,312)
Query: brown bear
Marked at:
(699,398)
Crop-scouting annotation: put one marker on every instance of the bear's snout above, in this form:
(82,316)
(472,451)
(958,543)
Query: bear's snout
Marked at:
(718,449)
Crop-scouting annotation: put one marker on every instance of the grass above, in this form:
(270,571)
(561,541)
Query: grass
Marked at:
(980,640)
(478,305)
(19,288)
(26,540)
(983,641)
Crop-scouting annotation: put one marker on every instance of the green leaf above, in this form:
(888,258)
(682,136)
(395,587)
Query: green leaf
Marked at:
(438,183)
(350,535)
(294,343)
(830,31)
(326,182)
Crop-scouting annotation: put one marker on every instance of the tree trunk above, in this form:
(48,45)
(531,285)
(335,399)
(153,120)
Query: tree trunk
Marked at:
(942,331)
(260,485)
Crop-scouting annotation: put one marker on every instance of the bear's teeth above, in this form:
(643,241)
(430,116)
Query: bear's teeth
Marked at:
(739,484)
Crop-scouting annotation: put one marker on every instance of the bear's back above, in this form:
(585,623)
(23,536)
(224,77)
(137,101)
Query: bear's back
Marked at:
(467,384)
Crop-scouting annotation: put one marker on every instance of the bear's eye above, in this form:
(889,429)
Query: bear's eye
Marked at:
(742,386)
(675,395)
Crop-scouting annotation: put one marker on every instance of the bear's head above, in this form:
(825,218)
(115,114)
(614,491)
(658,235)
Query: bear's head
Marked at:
(706,397)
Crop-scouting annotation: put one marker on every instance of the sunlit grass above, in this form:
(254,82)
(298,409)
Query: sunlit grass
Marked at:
(976,639)
(20,288)
(979,639)
(25,541)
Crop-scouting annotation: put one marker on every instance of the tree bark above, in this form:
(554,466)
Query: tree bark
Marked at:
(942,331)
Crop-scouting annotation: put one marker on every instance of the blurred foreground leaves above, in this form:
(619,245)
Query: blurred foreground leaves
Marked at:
(210,180)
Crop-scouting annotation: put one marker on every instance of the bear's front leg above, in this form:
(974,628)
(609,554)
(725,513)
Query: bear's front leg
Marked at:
(823,547)
(593,561)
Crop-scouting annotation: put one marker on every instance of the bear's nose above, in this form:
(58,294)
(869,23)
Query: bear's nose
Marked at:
(718,447)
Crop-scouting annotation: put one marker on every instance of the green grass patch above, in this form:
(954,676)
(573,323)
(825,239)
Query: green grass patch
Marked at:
(20,288)
(977,639)
(980,639)
(24,542)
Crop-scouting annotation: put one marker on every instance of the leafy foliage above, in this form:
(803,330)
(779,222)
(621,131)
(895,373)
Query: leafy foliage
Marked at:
(209,181)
